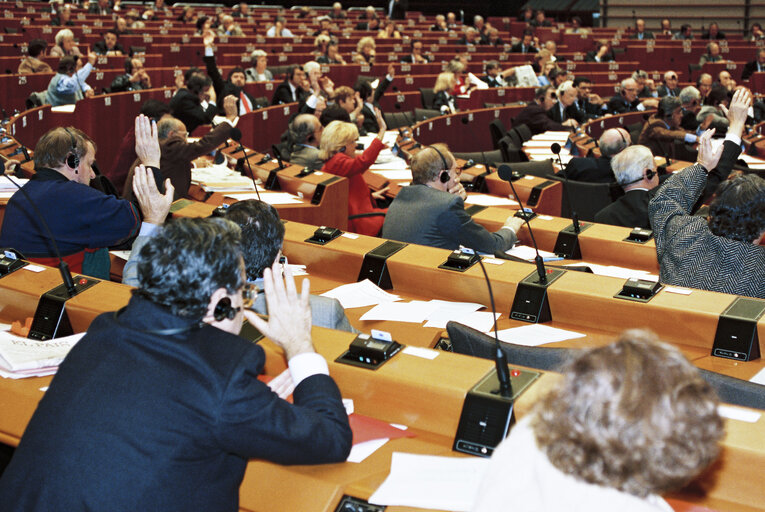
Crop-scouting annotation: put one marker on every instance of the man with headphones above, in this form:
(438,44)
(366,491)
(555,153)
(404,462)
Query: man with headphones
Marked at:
(635,172)
(135,78)
(627,100)
(83,221)
(431,211)
(159,405)
(303,136)
(68,85)
(598,170)
(291,89)
(663,128)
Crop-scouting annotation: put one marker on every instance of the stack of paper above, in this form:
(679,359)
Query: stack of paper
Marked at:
(435,313)
(22,357)
(273,198)
(529,253)
(220,179)
(361,294)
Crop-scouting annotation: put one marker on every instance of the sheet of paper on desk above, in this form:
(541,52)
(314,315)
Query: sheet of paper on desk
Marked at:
(394,174)
(552,136)
(752,162)
(536,334)
(447,311)
(489,200)
(759,377)
(528,253)
(19,354)
(361,451)
(269,197)
(393,164)
(426,481)
(123,255)
(416,311)
(7,185)
(620,272)
(362,294)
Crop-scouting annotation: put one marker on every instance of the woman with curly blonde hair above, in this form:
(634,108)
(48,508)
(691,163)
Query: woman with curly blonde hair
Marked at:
(365,51)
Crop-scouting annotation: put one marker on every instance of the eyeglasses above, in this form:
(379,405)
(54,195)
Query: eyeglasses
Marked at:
(249,294)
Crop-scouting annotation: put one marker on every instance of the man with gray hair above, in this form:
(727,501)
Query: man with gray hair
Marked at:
(690,97)
(564,111)
(627,100)
(598,170)
(635,172)
(304,134)
(669,87)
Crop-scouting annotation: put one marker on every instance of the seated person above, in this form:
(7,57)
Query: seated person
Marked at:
(303,141)
(721,252)
(371,99)
(705,83)
(332,56)
(177,154)
(443,100)
(32,63)
(712,115)
(635,172)
(291,89)
(646,85)
(431,211)
(540,20)
(173,409)
(440,24)
(713,54)
(279,28)
(493,38)
(627,100)
(726,81)
(233,85)
(135,78)
(338,151)
(351,102)
(229,27)
(63,18)
(640,32)
(564,111)
(534,115)
(526,45)
(388,31)
(259,73)
(365,51)
(416,56)
(690,97)
(685,33)
(471,37)
(68,85)
(592,442)
(108,45)
(65,44)
(497,77)
(713,32)
(193,104)
(84,221)
(598,170)
(601,53)
(755,66)
(588,104)
(337,12)
(662,130)
(669,86)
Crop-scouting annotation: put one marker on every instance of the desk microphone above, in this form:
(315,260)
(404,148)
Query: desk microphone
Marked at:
(278,155)
(236,134)
(266,158)
(555,148)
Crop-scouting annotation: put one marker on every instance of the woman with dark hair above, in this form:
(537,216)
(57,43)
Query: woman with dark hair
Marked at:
(627,423)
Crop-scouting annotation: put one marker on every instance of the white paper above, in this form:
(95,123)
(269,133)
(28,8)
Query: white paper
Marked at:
(614,271)
(416,311)
(220,178)
(534,335)
(424,353)
(735,413)
(34,268)
(447,311)
(123,255)
(489,200)
(361,294)
(552,136)
(759,377)
(426,481)
(480,320)
(7,185)
(269,197)
(674,289)
(393,174)
(528,253)
(19,354)
(361,451)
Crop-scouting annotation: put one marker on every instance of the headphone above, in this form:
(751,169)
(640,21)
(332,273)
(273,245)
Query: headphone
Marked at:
(129,65)
(649,174)
(624,140)
(224,310)
(443,175)
(72,160)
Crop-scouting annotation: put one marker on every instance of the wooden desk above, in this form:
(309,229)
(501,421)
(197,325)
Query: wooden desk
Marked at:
(424,394)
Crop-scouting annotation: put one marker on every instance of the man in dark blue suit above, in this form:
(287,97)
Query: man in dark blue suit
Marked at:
(158,407)
(598,170)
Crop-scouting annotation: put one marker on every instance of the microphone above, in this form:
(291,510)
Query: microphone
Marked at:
(278,155)
(236,134)
(555,148)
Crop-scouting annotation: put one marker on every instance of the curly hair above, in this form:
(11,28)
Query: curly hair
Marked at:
(738,208)
(634,415)
(186,261)
(262,234)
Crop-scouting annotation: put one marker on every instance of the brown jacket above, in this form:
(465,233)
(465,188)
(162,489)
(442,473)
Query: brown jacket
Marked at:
(660,139)
(31,65)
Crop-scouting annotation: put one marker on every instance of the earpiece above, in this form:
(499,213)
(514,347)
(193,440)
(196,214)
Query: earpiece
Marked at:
(224,310)
(649,174)
(72,160)
(444,175)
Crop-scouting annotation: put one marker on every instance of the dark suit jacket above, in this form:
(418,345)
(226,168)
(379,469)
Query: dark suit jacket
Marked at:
(399,9)
(608,57)
(536,118)
(370,120)
(618,105)
(689,121)
(99,48)
(177,155)
(587,110)
(441,99)
(423,215)
(283,94)
(663,90)
(647,34)
(187,108)
(749,68)
(591,170)
(135,420)
(630,210)
(410,60)
(518,48)
(571,112)
(492,81)
(224,87)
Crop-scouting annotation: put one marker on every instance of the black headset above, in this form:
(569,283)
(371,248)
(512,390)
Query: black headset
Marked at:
(72,160)
(224,310)
(444,173)
(649,174)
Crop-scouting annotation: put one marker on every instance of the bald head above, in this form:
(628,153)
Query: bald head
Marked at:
(306,129)
(613,141)
(169,126)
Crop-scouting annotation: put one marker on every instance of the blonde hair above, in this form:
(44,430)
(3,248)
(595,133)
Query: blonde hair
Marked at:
(335,136)
(455,66)
(364,42)
(320,40)
(62,34)
(445,82)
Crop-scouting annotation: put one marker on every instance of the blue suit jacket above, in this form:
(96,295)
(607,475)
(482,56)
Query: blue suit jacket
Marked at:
(135,420)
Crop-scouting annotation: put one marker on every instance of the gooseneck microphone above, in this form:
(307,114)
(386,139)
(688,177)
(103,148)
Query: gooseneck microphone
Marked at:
(236,134)
(506,173)
(63,267)
(278,155)
(555,148)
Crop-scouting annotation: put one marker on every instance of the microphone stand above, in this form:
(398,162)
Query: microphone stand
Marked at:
(249,168)
(567,243)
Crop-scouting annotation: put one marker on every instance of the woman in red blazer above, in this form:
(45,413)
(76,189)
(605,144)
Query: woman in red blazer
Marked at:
(338,150)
